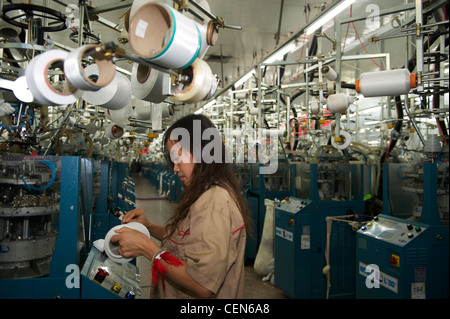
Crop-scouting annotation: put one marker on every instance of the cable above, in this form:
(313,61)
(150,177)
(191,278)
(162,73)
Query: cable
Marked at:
(10,127)
(52,167)
(15,127)
(345,39)
(357,35)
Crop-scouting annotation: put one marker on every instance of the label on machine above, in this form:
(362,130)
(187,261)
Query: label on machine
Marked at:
(417,290)
(377,278)
(283,233)
(305,242)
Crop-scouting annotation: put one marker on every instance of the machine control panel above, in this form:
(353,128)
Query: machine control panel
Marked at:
(393,231)
(121,279)
(293,205)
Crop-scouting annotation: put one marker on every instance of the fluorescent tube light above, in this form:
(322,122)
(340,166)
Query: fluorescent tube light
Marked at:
(204,107)
(328,16)
(280,54)
(244,78)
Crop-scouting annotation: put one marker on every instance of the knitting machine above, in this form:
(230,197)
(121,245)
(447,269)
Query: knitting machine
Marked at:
(30,206)
(47,233)
(314,245)
(403,253)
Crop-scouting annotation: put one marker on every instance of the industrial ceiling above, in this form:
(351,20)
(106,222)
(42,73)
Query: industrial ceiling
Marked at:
(264,26)
(254,33)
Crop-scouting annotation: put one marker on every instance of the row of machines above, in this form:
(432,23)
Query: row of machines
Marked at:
(327,241)
(327,245)
(165,180)
(53,210)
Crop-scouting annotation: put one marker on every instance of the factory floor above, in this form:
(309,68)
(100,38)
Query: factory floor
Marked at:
(159,211)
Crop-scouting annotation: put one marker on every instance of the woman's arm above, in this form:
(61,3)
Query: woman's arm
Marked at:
(179,276)
(156,230)
(133,243)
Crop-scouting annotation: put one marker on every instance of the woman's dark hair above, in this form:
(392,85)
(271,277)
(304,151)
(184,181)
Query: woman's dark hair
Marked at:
(205,174)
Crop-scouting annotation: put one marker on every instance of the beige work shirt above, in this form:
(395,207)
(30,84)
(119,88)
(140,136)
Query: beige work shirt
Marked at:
(211,241)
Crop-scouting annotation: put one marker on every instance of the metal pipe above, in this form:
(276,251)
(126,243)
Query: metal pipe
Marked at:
(277,37)
(82,7)
(338,55)
(19,114)
(419,45)
(212,16)
(260,115)
(400,8)
(319,67)
(278,97)
(231,109)
(375,39)
(435,79)
(413,122)
(337,129)
(308,106)
(301,84)
(121,53)
(427,25)
(150,64)
(288,110)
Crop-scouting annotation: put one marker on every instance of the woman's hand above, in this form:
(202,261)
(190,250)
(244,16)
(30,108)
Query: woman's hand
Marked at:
(135,215)
(138,215)
(131,243)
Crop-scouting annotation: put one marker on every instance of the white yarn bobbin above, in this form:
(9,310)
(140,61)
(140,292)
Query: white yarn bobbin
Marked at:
(111,249)
(74,70)
(39,84)
(346,139)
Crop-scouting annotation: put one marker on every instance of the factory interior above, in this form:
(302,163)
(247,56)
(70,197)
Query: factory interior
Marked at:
(334,114)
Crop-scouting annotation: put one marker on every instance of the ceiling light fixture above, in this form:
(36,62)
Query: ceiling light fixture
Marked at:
(244,78)
(204,107)
(280,54)
(328,16)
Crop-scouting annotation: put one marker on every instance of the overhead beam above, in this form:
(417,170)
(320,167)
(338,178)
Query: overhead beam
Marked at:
(112,7)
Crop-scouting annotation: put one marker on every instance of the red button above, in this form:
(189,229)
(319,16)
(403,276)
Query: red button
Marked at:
(393,260)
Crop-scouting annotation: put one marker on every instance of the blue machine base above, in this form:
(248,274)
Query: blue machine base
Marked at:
(300,242)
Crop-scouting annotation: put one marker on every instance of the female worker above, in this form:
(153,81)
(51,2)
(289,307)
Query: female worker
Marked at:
(207,233)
